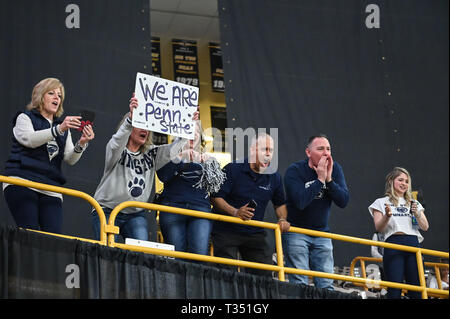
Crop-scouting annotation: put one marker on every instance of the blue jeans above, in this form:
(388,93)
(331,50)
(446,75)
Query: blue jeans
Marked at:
(130,225)
(186,233)
(309,253)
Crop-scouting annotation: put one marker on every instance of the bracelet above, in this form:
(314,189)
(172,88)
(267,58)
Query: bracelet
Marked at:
(235,212)
(78,148)
(58,128)
(281,219)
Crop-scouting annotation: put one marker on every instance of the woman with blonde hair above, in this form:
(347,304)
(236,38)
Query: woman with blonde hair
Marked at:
(41,141)
(399,218)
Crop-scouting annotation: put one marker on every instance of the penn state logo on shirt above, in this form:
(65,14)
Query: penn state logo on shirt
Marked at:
(402,209)
(322,190)
(265,187)
(52,149)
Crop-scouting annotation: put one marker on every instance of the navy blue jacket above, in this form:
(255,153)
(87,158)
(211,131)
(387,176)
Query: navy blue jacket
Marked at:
(308,200)
(34,163)
(242,185)
(179,180)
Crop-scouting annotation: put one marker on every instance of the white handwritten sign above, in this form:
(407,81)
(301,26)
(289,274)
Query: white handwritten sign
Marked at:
(165,106)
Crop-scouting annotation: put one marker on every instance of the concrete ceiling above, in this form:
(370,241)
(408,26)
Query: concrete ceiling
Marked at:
(185,19)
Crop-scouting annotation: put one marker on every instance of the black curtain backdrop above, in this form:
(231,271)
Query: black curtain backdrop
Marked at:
(97,63)
(35,265)
(380,94)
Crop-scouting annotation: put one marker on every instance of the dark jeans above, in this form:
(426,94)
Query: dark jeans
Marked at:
(251,247)
(399,265)
(34,210)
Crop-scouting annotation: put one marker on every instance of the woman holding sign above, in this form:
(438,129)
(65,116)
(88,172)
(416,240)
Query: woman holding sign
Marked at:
(130,164)
(41,141)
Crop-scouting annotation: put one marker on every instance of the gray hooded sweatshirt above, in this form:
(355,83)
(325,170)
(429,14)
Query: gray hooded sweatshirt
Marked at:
(129,176)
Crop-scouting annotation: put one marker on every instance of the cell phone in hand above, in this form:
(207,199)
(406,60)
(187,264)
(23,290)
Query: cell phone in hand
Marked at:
(87,118)
(252,204)
(87,115)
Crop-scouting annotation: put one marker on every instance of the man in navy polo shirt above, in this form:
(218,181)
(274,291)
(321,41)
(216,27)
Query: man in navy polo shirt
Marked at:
(312,185)
(251,180)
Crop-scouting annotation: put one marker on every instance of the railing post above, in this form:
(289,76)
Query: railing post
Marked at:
(279,250)
(437,272)
(363,273)
(110,229)
(423,284)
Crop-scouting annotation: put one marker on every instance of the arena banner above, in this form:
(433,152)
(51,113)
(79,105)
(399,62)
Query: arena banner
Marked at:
(156,57)
(219,121)
(158,138)
(185,62)
(165,106)
(215,57)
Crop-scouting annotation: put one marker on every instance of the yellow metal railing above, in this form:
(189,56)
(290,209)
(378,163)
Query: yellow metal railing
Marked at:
(363,259)
(437,267)
(280,268)
(66,191)
(418,251)
(193,213)
(108,230)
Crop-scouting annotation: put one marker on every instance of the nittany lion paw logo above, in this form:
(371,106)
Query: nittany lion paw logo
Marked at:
(136,187)
(52,149)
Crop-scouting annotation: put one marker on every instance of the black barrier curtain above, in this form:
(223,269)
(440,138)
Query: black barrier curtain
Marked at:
(95,47)
(380,94)
(34,265)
